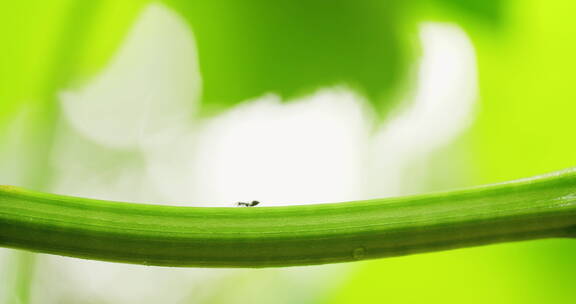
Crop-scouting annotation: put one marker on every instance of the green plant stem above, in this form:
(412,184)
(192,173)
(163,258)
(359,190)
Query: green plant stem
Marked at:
(20,272)
(540,207)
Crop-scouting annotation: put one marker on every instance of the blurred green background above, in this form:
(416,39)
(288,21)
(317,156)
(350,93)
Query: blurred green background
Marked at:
(521,125)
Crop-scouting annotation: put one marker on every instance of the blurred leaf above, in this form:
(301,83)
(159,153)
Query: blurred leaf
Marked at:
(482,10)
(291,47)
(46,44)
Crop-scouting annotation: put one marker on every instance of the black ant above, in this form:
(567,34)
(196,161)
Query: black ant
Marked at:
(252,204)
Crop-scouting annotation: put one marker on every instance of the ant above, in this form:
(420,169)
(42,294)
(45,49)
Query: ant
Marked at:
(252,204)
